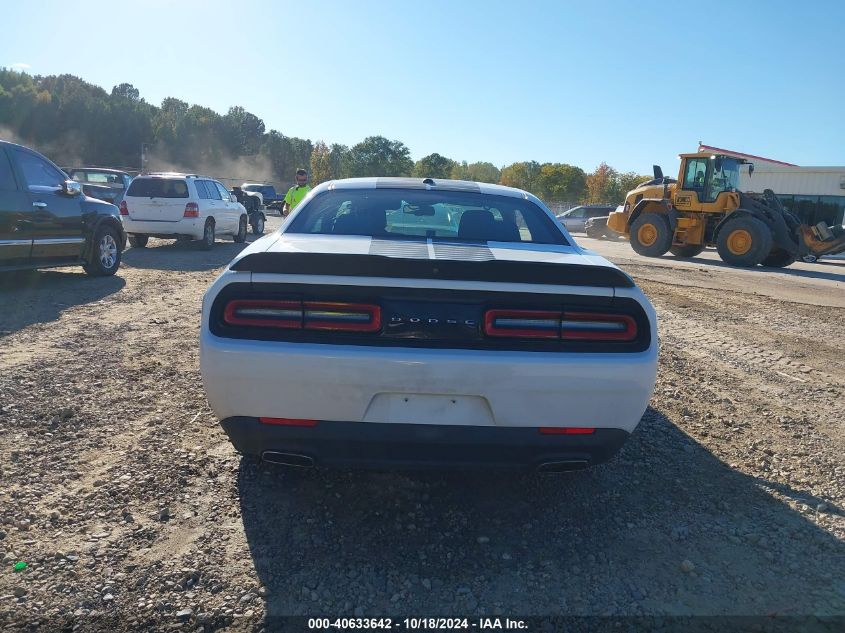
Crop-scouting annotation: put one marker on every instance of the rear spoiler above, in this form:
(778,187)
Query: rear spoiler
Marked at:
(396,267)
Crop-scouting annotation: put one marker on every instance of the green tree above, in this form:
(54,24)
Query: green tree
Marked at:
(483,172)
(460,171)
(561,182)
(524,175)
(433,166)
(242,132)
(378,156)
(338,160)
(630,180)
(126,91)
(321,168)
(603,185)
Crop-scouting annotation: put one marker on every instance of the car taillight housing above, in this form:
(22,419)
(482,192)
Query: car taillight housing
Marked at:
(192,210)
(522,323)
(124,210)
(562,325)
(303,315)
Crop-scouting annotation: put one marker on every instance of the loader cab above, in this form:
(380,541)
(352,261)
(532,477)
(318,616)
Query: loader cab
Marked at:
(708,175)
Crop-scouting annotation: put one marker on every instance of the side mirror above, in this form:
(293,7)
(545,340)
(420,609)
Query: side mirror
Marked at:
(750,169)
(718,163)
(658,173)
(71,188)
(233,197)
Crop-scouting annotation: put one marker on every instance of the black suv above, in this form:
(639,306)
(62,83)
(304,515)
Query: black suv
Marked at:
(46,220)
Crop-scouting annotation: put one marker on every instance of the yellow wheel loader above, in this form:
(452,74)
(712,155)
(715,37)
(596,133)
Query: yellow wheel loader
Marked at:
(704,207)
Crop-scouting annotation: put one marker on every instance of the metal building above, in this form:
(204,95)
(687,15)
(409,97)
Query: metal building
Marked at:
(815,194)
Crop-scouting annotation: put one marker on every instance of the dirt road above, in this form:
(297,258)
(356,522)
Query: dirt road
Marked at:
(133,511)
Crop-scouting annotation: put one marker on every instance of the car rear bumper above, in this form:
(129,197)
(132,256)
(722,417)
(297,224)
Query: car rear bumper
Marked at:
(421,446)
(191,227)
(425,386)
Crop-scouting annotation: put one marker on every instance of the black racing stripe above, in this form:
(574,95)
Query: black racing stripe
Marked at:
(403,268)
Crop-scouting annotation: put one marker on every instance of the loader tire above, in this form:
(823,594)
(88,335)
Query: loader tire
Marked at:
(651,235)
(778,258)
(744,242)
(688,250)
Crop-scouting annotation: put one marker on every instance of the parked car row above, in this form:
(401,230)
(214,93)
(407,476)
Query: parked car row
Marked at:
(575,219)
(85,215)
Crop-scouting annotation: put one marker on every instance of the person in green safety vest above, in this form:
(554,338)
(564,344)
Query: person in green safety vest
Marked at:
(296,193)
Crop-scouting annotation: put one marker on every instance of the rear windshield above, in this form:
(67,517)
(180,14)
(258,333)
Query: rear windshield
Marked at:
(416,214)
(256,188)
(108,179)
(158,188)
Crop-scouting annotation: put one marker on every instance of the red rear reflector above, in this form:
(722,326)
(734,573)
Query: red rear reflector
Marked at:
(351,317)
(522,323)
(566,430)
(124,210)
(588,326)
(192,210)
(264,313)
(288,421)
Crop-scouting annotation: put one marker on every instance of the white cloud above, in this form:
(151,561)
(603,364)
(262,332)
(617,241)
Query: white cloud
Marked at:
(20,66)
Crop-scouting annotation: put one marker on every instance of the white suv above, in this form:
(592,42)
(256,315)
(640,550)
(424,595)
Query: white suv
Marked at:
(181,206)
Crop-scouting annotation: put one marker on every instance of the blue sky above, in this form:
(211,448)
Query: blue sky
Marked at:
(629,83)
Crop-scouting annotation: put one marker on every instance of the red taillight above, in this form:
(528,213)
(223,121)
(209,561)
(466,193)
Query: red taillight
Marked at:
(522,323)
(192,210)
(287,421)
(264,313)
(124,210)
(308,315)
(566,430)
(351,317)
(588,326)
(568,326)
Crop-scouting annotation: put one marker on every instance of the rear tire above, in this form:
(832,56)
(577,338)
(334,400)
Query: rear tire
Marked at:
(778,258)
(258,225)
(651,235)
(240,237)
(207,242)
(105,253)
(745,241)
(688,250)
(137,240)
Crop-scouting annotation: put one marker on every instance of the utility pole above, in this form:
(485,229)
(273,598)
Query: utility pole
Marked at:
(145,148)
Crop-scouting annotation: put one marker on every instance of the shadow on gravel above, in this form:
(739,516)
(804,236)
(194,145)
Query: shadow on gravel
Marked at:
(40,296)
(832,270)
(612,540)
(183,256)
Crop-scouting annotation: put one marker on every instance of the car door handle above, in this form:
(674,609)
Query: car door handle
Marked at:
(39,205)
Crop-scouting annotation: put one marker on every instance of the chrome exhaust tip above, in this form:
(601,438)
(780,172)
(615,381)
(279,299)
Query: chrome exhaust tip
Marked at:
(288,459)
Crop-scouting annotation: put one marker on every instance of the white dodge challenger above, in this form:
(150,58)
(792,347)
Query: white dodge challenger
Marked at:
(397,322)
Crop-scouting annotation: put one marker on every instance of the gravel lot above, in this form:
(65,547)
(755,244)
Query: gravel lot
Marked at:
(133,512)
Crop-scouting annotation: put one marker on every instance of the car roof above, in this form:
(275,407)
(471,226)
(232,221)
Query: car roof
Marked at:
(171,174)
(107,170)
